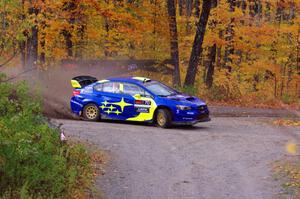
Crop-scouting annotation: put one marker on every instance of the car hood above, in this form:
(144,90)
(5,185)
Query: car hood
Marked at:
(186,99)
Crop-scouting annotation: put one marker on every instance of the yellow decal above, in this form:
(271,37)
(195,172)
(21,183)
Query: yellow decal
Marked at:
(75,84)
(141,78)
(121,88)
(117,112)
(122,104)
(102,106)
(110,108)
(145,116)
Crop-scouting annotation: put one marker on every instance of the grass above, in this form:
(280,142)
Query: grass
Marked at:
(34,163)
(289,174)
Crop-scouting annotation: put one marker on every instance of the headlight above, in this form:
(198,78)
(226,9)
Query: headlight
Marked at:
(183,108)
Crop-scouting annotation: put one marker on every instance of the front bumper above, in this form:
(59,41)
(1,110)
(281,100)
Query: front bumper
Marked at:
(191,121)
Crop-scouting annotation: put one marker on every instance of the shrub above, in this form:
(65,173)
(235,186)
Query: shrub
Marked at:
(33,161)
(286,98)
(191,90)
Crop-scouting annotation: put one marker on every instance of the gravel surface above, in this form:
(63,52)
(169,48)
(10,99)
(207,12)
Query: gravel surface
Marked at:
(230,111)
(228,157)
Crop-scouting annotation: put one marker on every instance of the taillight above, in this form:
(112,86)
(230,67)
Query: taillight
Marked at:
(76,92)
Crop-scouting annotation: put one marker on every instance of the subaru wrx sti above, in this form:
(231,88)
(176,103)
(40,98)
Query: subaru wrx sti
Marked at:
(135,99)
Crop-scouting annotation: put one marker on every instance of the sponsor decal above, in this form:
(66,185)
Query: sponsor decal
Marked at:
(190,113)
(142,110)
(142,102)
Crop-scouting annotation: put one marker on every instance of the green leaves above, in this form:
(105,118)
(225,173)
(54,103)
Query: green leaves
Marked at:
(33,161)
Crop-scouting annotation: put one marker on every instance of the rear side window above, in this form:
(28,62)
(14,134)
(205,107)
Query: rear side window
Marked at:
(98,87)
(109,87)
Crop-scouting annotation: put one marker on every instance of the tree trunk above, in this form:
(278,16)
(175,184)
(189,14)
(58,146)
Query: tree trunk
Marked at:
(189,7)
(279,11)
(107,29)
(268,11)
(80,33)
(34,45)
(22,43)
(43,43)
(23,53)
(181,7)
(229,37)
(197,8)
(211,66)
(69,7)
(219,56)
(32,41)
(68,41)
(282,80)
(174,42)
(197,45)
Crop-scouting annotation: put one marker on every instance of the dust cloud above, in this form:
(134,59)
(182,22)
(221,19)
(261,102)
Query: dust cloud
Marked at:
(54,86)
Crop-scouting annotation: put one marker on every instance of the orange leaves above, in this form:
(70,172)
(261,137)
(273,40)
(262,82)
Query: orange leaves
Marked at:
(286,122)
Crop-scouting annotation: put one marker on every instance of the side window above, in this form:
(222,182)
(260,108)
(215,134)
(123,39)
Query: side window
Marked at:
(111,87)
(98,87)
(108,87)
(132,89)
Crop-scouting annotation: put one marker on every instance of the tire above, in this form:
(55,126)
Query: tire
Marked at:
(91,112)
(163,118)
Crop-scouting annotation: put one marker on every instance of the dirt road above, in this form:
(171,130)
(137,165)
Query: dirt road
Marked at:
(227,158)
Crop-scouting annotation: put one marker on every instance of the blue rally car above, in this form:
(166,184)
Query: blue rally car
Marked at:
(135,99)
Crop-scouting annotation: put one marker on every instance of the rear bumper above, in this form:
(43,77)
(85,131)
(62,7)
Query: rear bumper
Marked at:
(76,105)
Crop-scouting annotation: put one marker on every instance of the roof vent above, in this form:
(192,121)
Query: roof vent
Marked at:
(143,79)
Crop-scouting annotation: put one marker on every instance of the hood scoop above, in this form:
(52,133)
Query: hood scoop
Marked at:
(183,97)
(190,98)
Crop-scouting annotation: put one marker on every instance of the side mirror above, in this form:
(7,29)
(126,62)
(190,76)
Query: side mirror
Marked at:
(138,96)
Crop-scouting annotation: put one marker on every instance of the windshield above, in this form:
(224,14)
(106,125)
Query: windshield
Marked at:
(160,89)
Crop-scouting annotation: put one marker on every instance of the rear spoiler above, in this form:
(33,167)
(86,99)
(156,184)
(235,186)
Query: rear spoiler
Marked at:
(82,81)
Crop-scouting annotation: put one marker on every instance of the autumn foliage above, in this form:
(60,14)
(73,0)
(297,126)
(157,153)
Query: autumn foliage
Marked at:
(251,48)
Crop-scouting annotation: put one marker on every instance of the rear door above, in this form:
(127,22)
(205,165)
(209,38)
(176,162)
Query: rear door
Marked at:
(114,104)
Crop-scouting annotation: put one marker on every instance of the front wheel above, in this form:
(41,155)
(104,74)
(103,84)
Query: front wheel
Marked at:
(91,112)
(163,118)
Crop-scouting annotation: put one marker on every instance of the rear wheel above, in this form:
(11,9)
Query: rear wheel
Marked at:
(91,112)
(163,118)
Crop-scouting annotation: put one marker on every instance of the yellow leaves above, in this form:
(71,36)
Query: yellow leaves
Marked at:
(289,174)
(286,122)
(291,148)
(93,34)
(213,38)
